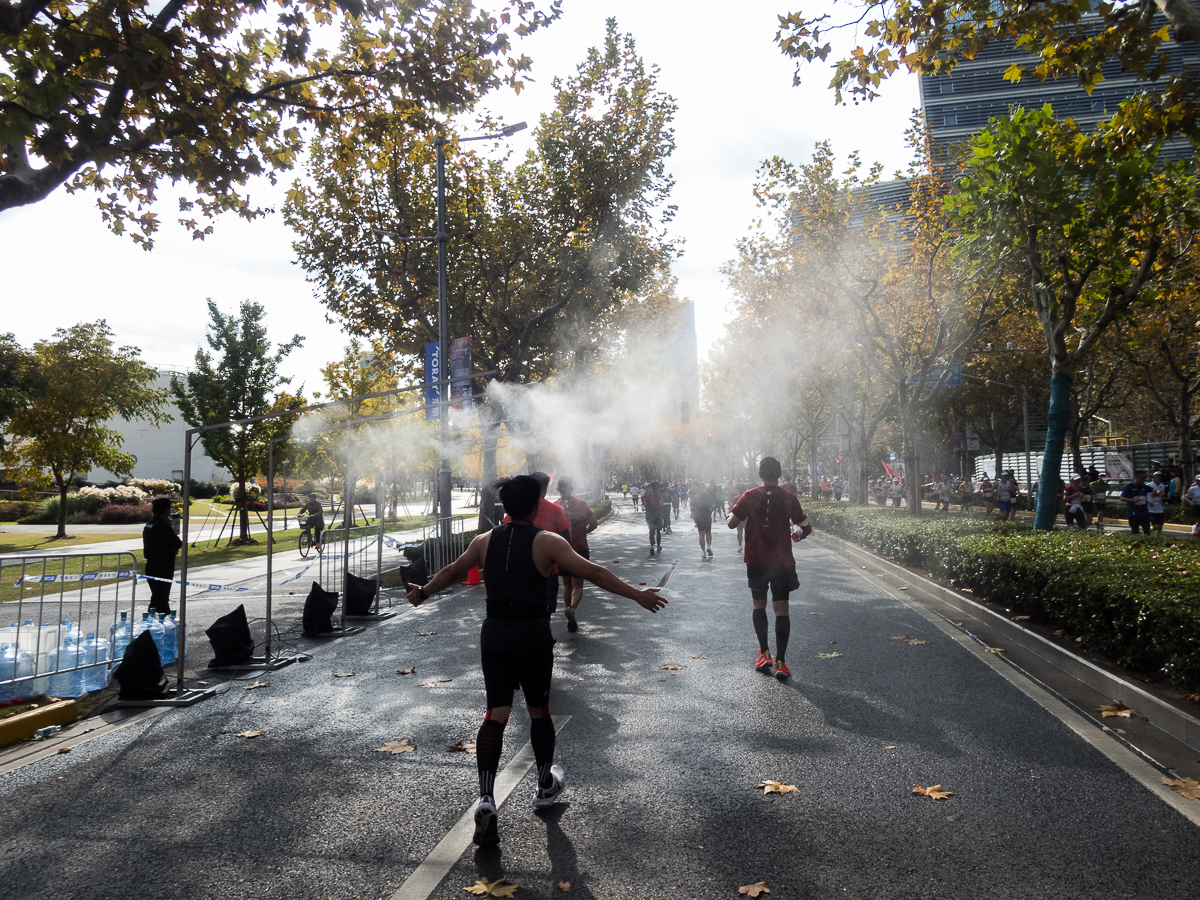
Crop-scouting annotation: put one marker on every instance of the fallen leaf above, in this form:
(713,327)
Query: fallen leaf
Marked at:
(564,885)
(902,587)
(257,685)
(249,734)
(64,749)
(827,655)
(753,890)
(401,746)
(406,671)
(890,747)
(671,668)
(1189,788)
(916,642)
(934,791)
(460,747)
(1020,618)
(251,702)
(833,642)
(1059,633)
(501,887)
(776,787)
(343,674)
(900,637)
(699,657)
(993,650)
(426,633)
(1119,730)
(1115,711)
(1195,698)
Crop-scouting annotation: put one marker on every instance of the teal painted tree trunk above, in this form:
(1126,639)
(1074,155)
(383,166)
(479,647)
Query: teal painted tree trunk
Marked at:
(1058,419)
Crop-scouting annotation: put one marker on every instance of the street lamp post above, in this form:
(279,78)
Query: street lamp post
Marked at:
(443,238)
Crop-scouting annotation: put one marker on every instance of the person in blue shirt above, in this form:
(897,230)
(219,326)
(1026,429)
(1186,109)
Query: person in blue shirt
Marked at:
(1134,495)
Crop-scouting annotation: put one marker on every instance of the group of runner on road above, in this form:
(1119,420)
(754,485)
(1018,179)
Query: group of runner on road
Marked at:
(520,559)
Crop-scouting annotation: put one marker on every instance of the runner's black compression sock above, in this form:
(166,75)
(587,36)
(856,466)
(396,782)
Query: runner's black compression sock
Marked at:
(541,735)
(488,744)
(760,628)
(783,630)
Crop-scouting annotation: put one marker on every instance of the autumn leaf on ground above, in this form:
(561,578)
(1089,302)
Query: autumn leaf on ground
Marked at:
(402,746)
(900,637)
(64,749)
(699,657)
(1119,710)
(890,747)
(916,642)
(827,655)
(460,747)
(1195,698)
(777,787)
(251,702)
(1188,788)
(671,668)
(501,887)
(343,674)
(753,890)
(249,734)
(1020,618)
(426,633)
(564,885)
(406,671)
(256,685)
(994,650)
(934,791)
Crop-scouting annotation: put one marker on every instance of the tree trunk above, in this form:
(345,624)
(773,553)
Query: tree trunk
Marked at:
(243,512)
(1185,433)
(63,487)
(1074,436)
(1058,421)
(912,478)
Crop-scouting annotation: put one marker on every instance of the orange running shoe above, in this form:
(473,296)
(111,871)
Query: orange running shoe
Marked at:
(782,672)
(764,663)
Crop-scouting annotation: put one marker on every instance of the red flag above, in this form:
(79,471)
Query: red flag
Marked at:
(891,474)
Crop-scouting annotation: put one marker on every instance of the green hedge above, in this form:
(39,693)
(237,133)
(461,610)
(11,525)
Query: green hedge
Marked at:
(601,507)
(1135,598)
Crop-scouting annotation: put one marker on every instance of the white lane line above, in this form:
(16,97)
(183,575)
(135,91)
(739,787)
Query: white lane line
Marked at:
(437,865)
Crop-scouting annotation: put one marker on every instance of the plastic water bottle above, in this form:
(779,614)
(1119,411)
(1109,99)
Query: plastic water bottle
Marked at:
(169,652)
(181,636)
(66,683)
(119,637)
(16,663)
(94,653)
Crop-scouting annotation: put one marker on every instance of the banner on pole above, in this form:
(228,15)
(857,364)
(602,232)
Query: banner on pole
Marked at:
(460,369)
(433,374)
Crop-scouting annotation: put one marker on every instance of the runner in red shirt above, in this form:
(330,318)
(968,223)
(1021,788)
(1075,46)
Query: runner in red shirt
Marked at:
(769,512)
(583,522)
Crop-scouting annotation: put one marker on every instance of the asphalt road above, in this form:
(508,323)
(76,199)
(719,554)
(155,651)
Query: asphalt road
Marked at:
(661,765)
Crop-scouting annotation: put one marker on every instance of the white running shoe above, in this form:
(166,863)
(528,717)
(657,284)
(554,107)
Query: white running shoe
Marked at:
(487,831)
(545,797)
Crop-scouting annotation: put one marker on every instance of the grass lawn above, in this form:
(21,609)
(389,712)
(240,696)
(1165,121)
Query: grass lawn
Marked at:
(32,543)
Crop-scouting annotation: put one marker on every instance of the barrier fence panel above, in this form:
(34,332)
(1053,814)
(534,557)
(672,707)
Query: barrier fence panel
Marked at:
(444,541)
(353,551)
(53,602)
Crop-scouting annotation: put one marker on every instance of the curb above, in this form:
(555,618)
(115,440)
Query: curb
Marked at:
(23,726)
(1175,722)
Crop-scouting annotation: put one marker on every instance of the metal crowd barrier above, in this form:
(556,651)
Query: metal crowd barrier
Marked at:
(87,590)
(354,551)
(444,541)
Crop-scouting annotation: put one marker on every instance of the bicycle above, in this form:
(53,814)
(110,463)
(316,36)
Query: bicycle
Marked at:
(306,536)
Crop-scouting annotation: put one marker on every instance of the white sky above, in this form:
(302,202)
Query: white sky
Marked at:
(737,107)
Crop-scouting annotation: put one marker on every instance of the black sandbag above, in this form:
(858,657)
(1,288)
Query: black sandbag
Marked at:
(318,610)
(359,594)
(140,673)
(231,641)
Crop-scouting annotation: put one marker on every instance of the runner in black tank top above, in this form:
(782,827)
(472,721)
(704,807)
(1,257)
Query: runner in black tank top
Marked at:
(516,645)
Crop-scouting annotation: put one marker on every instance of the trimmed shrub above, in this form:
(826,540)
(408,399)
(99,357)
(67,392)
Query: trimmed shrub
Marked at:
(125,514)
(1133,597)
(15,510)
(601,507)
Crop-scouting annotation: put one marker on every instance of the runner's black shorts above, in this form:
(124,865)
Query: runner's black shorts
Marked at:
(782,580)
(505,670)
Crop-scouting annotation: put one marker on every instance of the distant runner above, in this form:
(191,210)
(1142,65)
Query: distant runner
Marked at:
(516,647)
(702,514)
(583,522)
(769,513)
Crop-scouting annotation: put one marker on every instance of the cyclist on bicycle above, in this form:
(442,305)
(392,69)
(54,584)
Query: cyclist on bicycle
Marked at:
(316,519)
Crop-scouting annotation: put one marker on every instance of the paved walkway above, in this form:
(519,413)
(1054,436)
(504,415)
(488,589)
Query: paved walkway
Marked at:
(662,765)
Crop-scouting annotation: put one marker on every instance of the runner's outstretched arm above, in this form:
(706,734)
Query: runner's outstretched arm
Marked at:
(561,554)
(471,557)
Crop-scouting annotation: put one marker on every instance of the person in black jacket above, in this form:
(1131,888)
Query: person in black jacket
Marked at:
(160,544)
(516,647)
